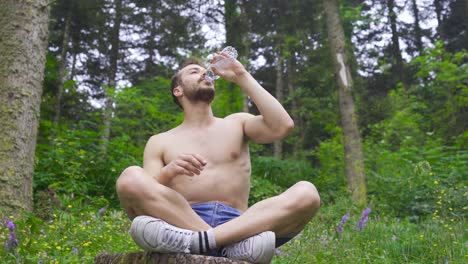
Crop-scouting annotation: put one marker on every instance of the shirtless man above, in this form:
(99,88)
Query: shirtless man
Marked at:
(191,194)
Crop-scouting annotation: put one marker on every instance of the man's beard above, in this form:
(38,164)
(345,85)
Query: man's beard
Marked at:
(205,95)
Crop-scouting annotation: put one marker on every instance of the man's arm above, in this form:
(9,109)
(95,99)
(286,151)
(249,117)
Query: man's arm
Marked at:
(274,122)
(184,164)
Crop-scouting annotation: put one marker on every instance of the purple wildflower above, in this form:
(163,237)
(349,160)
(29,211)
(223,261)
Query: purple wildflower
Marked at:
(12,242)
(278,252)
(10,225)
(363,221)
(102,211)
(343,221)
(75,251)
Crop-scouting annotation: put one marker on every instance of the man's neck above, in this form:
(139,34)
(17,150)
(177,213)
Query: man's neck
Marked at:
(198,115)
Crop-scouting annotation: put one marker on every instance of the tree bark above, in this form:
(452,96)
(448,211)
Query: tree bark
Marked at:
(23,42)
(438,9)
(245,26)
(354,164)
(417,28)
(295,113)
(62,69)
(151,46)
(278,145)
(237,26)
(112,75)
(397,62)
(156,258)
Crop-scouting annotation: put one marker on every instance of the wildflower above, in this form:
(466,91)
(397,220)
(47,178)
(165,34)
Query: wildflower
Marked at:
(10,225)
(75,251)
(363,220)
(343,221)
(278,252)
(102,211)
(12,242)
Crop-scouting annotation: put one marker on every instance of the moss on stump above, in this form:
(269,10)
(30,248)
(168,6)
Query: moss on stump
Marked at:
(159,258)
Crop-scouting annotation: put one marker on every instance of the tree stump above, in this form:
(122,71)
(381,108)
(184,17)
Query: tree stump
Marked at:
(159,258)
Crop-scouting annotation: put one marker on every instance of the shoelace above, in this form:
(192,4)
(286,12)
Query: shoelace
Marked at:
(176,240)
(239,250)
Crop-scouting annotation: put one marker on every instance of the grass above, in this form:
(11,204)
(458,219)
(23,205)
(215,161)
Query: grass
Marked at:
(76,233)
(385,239)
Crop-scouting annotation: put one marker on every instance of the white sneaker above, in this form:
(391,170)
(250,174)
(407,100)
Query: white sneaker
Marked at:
(155,235)
(256,249)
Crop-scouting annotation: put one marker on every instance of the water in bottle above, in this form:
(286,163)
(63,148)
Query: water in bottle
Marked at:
(220,63)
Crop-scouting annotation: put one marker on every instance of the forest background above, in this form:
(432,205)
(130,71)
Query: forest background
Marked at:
(106,90)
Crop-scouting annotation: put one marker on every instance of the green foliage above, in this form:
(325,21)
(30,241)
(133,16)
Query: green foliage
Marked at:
(283,173)
(418,181)
(262,188)
(442,85)
(411,169)
(405,124)
(383,240)
(76,233)
(72,163)
(228,99)
(145,110)
(330,180)
(272,176)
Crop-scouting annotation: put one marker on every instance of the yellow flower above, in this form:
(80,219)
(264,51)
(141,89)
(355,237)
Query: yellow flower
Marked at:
(436,182)
(69,206)
(58,247)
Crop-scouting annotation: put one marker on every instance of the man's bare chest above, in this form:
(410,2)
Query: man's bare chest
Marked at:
(216,146)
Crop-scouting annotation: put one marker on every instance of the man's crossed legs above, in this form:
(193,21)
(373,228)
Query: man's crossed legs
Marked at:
(250,237)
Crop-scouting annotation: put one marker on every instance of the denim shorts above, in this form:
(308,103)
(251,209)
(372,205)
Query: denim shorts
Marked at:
(216,213)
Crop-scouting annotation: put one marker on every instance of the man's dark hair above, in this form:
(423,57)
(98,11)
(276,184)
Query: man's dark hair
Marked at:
(176,78)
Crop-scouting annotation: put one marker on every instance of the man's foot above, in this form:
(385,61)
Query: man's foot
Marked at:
(256,249)
(155,235)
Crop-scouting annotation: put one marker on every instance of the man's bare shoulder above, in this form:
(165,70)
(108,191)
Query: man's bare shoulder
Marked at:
(158,140)
(239,116)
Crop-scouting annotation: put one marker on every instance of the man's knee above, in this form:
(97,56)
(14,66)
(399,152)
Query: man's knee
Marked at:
(131,181)
(305,196)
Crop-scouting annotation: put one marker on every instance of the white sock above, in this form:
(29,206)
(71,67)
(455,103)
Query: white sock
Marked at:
(203,241)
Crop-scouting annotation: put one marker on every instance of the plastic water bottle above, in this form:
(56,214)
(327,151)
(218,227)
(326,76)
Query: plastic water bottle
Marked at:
(220,63)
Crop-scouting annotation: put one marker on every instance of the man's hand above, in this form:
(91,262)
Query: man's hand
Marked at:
(227,68)
(184,164)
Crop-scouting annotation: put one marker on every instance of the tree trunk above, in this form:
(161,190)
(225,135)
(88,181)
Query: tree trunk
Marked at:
(75,50)
(112,75)
(245,27)
(294,106)
(354,164)
(23,42)
(397,62)
(149,67)
(278,145)
(417,28)
(236,35)
(62,69)
(438,9)
(466,23)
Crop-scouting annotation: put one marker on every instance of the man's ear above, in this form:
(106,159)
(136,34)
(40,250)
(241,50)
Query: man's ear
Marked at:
(177,92)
